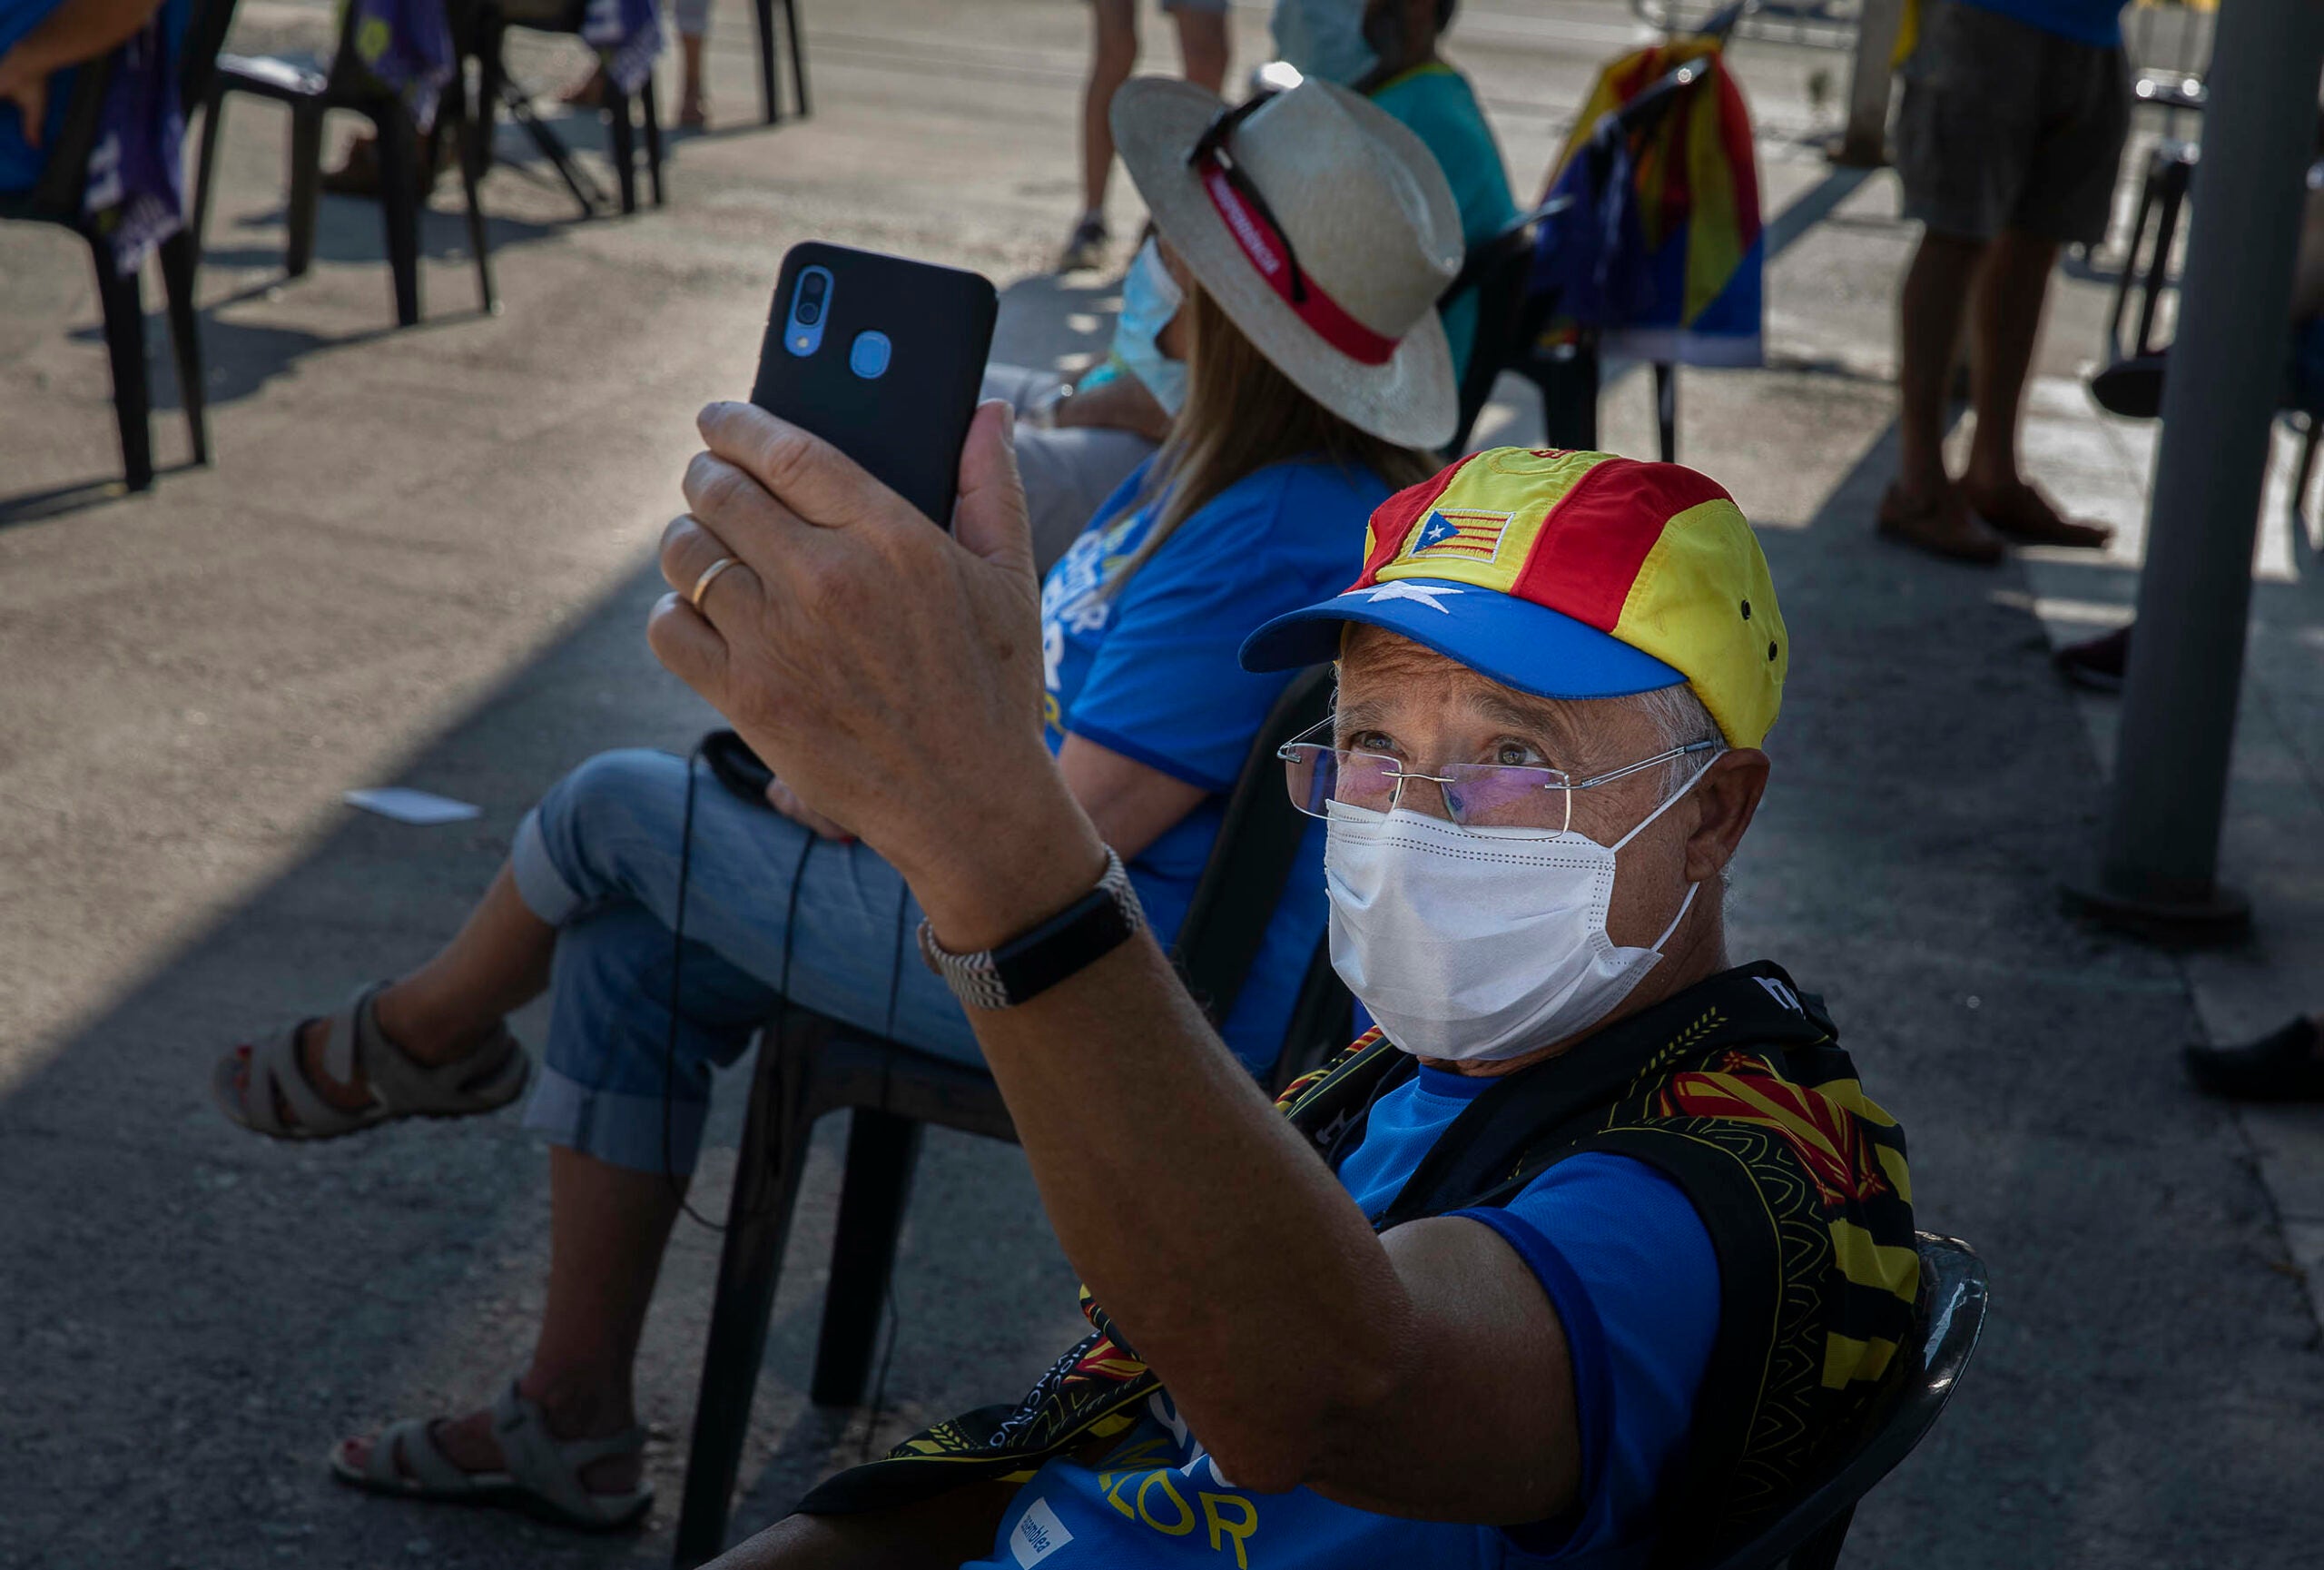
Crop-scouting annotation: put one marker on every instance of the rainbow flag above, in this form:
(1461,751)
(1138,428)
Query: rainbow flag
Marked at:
(1660,248)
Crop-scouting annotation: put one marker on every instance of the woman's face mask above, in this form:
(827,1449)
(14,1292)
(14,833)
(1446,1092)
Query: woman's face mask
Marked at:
(1151,298)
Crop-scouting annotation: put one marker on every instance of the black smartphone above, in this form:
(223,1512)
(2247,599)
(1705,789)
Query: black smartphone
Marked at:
(882,356)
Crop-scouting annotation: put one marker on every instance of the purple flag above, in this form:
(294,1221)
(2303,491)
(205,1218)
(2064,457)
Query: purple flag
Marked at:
(136,186)
(407,45)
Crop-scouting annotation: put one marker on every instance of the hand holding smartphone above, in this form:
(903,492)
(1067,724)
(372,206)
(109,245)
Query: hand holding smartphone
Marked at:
(882,358)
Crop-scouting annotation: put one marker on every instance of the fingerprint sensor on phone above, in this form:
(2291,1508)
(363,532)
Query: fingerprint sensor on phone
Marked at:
(869,356)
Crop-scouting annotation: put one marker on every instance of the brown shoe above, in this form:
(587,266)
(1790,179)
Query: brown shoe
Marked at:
(358,176)
(1941,524)
(2026,516)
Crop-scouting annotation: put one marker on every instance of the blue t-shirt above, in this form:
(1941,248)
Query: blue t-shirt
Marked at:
(1435,104)
(21,163)
(1149,671)
(1629,1269)
(2097,22)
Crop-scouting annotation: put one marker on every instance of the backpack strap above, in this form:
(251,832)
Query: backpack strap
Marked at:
(1487,1147)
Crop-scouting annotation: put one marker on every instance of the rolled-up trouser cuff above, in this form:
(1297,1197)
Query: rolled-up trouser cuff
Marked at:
(622,1130)
(539,884)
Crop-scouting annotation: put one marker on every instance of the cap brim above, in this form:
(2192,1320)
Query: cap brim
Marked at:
(1519,643)
(1413,400)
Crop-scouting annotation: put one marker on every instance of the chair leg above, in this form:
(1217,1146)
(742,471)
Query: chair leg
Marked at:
(399,198)
(2157,272)
(1666,409)
(769,105)
(883,1148)
(1568,399)
(179,256)
(213,111)
(124,304)
(798,56)
(306,186)
(758,1223)
(479,241)
(624,137)
(652,113)
(2129,265)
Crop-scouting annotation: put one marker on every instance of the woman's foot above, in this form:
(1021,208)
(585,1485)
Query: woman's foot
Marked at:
(580,1461)
(2287,1066)
(425,1044)
(358,174)
(1940,523)
(693,110)
(2023,513)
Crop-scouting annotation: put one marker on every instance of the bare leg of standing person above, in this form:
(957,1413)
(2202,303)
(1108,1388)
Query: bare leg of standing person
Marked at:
(2005,321)
(1112,56)
(1921,508)
(1203,47)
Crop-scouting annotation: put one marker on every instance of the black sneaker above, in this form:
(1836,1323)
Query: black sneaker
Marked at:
(2131,388)
(2098,663)
(2284,1067)
(1087,247)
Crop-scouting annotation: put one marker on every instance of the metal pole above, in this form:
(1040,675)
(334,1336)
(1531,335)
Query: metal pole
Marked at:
(1864,143)
(2158,872)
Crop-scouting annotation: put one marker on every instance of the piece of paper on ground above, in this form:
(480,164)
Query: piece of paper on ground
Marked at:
(406,806)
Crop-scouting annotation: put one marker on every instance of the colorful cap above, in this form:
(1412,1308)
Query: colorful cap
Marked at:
(1567,575)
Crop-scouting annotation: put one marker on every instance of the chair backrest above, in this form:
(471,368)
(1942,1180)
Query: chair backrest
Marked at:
(1250,863)
(1952,1312)
(205,36)
(1496,271)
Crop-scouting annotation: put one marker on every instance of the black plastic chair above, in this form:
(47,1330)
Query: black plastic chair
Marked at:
(310,87)
(2162,195)
(624,121)
(819,1065)
(1807,1535)
(59,199)
(770,99)
(1568,375)
(1497,270)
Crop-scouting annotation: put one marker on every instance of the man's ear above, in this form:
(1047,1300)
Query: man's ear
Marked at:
(1728,796)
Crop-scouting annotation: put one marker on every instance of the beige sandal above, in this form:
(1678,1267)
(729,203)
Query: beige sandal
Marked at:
(482,1081)
(541,1475)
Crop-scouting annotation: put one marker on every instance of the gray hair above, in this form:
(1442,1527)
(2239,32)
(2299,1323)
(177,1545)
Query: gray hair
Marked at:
(1680,720)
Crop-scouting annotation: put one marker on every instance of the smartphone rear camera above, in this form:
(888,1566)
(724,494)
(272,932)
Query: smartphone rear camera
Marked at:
(803,331)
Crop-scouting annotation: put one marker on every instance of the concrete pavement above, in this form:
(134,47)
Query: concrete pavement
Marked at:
(424,558)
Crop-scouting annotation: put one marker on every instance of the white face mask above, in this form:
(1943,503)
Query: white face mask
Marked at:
(1474,944)
(1151,298)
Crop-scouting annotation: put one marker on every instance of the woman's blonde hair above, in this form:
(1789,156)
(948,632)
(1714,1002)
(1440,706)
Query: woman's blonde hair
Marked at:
(1241,415)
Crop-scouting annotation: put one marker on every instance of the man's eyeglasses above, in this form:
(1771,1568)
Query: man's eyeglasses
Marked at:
(1476,795)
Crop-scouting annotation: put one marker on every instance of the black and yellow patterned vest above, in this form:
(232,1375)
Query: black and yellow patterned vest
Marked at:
(1737,1090)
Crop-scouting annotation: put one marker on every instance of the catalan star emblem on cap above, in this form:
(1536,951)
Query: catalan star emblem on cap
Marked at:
(1426,593)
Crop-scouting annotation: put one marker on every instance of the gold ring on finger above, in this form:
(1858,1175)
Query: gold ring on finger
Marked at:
(709,575)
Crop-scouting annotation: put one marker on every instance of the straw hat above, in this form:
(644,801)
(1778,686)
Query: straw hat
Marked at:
(1350,315)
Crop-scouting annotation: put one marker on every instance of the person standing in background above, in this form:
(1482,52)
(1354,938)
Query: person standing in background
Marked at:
(1411,81)
(2007,143)
(1203,53)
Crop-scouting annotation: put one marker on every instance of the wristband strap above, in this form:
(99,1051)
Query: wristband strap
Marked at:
(1028,964)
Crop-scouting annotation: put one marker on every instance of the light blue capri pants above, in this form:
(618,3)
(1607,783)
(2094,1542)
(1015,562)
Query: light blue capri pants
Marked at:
(598,860)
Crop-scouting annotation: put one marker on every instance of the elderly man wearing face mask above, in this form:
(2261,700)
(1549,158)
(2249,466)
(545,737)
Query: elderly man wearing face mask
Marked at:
(1594,1245)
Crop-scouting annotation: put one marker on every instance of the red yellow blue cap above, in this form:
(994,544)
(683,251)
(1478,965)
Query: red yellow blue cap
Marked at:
(1566,574)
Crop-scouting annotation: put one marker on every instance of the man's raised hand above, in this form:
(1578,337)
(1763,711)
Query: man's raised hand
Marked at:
(888,671)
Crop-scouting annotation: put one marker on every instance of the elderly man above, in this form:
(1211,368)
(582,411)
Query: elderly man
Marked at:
(1592,1245)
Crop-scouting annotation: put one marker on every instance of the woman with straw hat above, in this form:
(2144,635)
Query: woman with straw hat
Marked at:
(1310,236)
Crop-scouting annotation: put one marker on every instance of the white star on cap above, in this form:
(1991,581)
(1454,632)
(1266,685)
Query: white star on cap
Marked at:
(1426,593)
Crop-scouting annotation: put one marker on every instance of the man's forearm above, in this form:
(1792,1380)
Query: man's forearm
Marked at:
(1231,1258)
(77,31)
